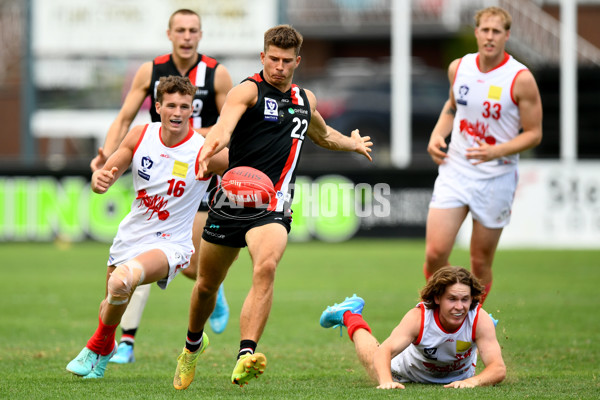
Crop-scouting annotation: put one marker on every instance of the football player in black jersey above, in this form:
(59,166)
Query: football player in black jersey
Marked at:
(213,82)
(265,120)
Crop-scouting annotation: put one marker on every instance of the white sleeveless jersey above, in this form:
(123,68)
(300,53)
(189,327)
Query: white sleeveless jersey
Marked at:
(485,109)
(167,193)
(438,356)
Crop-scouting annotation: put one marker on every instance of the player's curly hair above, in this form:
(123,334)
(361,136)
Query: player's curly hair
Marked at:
(174,84)
(448,276)
(284,37)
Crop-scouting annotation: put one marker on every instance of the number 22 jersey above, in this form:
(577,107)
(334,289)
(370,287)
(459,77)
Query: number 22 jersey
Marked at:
(269,137)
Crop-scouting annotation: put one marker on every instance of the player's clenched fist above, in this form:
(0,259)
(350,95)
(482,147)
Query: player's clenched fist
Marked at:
(102,179)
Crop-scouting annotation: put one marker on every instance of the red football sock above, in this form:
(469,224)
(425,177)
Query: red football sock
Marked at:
(103,340)
(426,273)
(354,322)
(486,291)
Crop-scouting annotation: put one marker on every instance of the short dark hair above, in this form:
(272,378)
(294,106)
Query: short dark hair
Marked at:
(174,84)
(448,276)
(185,11)
(284,37)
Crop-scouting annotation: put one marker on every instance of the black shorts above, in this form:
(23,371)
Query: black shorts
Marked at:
(230,229)
(212,188)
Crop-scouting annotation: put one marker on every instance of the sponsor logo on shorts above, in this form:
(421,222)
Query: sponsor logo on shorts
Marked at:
(215,235)
(163,235)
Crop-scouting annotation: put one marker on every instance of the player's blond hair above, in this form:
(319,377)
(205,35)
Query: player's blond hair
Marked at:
(448,276)
(494,11)
(284,37)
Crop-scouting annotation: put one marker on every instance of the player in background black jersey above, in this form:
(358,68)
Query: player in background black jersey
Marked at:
(213,82)
(264,120)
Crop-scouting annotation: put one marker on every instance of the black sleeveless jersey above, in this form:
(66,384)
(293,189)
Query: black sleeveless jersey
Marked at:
(269,137)
(202,75)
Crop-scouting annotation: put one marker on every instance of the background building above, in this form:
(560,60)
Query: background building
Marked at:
(65,66)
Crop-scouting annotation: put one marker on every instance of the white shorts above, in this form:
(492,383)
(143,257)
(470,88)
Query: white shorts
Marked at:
(489,200)
(178,256)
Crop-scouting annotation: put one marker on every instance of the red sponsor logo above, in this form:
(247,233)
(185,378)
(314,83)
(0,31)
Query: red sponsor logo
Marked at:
(465,355)
(455,366)
(477,130)
(156,204)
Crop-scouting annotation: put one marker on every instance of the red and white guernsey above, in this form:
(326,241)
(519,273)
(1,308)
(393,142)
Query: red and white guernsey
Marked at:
(167,193)
(485,109)
(438,356)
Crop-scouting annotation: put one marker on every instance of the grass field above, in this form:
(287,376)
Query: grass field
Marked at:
(547,301)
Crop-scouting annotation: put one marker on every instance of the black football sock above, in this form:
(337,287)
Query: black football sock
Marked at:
(193,341)
(247,346)
(128,336)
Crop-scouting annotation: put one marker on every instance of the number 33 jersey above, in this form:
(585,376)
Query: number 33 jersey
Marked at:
(167,193)
(486,110)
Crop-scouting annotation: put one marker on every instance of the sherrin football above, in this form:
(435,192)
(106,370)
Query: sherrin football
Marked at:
(248,187)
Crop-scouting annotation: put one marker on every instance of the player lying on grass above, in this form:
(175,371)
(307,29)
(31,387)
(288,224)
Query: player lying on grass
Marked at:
(154,241)
(436,342)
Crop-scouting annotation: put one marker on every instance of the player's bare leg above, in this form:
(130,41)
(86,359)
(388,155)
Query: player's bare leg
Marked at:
(215,261)
(266,255)
(443,225)
(220,316)
(266,245)
(484,242)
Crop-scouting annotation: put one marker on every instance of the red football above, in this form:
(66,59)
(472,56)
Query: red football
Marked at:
(248,187)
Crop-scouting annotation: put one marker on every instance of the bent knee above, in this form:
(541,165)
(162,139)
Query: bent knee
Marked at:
(265,270)
(123,281)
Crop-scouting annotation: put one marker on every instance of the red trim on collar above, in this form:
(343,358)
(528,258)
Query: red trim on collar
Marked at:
(504,61)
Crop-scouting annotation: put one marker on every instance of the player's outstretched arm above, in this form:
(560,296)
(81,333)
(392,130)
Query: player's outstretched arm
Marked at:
(131,105)
(490,354)
(401,337)
(117,163)
(238,100)
(329,138)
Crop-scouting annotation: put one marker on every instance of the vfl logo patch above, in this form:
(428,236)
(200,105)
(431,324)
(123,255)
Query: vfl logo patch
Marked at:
(146,164)
(463,90)
(271,109)
(430,353)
